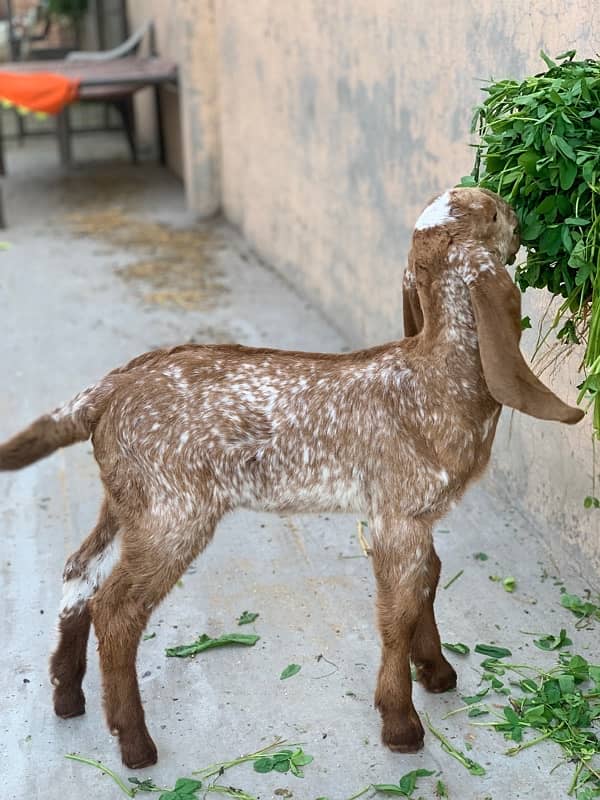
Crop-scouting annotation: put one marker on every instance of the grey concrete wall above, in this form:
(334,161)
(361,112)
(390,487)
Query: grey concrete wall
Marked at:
(338,119)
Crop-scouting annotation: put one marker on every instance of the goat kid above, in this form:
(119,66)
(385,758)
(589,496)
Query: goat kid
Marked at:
(185,435)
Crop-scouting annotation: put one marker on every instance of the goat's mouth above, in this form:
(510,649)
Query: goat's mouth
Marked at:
(511,259)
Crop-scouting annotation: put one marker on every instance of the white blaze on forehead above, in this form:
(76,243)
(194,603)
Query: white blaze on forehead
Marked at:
(438,213)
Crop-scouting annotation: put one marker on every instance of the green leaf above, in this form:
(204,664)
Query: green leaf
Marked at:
(480,556)
(564,147)
(205,642)
(290,671)
(550,240)
(301,759)
(492,651)
(147,636)
(282,766)
(187,786)
(566,683)
(246,617)
(548,61)
(441,790)
(263,764)
(477,712)
(475,698)
(525,323)
(547,205)
(458,647)
(406,785)
(577,221)
(147,785)
(529,161)
(388,788)
(550,642)
(509,584)
(579,607)
(568,172)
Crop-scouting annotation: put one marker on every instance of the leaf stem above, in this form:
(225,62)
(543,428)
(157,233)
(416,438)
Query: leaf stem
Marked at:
(514,750)
(472,766)
(453,579)
(98,765)
(360,794)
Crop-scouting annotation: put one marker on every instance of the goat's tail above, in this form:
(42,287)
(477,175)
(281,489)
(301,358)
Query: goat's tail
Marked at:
(73,422)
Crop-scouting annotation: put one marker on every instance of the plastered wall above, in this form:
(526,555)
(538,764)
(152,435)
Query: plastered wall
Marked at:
(184,31)
(336,121)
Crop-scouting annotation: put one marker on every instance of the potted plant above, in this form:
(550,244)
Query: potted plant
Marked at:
(539,148)
(72,11)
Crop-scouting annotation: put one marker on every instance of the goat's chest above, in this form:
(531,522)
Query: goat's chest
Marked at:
(463,441)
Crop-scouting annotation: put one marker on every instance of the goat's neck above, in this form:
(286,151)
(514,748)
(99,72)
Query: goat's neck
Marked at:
(448,320)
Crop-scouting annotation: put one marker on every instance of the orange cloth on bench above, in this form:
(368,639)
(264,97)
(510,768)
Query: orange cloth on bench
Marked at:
(37,91)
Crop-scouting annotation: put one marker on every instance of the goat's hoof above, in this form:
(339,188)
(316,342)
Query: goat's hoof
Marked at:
(138,751)
(69,702)
(436,678)
(403,735)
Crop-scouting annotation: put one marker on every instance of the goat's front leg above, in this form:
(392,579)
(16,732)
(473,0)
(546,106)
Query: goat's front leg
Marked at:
(401,555)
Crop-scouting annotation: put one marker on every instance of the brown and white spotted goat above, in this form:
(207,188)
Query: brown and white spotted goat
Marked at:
(183,436)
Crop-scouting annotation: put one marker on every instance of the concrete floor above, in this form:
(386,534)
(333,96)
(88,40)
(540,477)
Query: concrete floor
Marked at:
(67,315)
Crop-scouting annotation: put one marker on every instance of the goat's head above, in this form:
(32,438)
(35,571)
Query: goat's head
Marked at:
(466,236)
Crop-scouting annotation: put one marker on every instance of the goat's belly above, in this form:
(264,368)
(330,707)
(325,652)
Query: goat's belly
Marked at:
(293,496)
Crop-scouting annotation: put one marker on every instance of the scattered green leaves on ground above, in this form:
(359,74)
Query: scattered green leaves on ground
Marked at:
(284,761)
(492,651)
(584,609)
(290,671)
(205,642)
(550,642)
(480,556)
(147,636)
(458,647)
(187,788)
(246,617)
(561,705)
(406,785)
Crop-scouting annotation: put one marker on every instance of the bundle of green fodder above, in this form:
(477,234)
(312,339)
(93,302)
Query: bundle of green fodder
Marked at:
(539,148)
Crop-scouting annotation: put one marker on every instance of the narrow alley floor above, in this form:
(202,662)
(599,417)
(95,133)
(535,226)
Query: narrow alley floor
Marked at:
(102,264)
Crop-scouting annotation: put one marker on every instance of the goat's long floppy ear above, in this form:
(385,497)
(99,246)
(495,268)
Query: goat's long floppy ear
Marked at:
(497,307)
(413,315)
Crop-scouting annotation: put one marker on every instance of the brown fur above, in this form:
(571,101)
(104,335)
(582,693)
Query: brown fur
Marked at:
(182,436)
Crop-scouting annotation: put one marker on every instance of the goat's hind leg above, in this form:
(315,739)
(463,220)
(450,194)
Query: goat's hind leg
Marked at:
(148,570)
(84,572)
(433,671)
